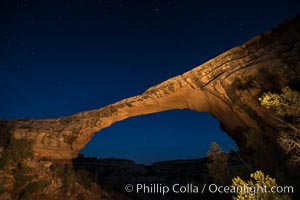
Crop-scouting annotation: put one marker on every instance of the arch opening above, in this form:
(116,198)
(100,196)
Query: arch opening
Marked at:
(169,135)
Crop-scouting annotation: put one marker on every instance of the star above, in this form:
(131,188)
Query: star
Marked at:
(156,9)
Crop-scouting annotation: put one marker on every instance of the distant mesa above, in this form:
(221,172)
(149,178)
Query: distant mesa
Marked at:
(226,86)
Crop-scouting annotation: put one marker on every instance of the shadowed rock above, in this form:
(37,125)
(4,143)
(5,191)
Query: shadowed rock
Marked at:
(227,86)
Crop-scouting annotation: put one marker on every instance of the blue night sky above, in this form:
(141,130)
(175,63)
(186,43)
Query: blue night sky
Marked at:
(62,57)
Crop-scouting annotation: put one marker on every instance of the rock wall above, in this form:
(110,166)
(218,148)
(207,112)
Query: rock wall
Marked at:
(227,86)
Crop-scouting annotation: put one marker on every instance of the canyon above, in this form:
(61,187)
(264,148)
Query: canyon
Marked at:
(227,86)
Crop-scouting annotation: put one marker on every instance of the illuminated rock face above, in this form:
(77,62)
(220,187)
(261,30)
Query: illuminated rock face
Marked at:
(226,86)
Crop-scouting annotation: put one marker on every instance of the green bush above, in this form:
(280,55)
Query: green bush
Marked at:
(69,178)
(287,107)
(286,104)
(218,166)
(257,188)
(16,151)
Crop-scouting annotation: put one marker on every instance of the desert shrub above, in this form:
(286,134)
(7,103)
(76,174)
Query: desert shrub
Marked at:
(19,149)
(218,166)
(31,188)
(287,107)
(16,151)
(84,178)
(69,179)
(243,83)
(256,188)
(258,143)
(66,174)
(253,139)
(286,104)
(21,174)
(5,135)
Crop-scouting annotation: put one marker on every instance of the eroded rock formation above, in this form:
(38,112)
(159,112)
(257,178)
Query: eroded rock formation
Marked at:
(227,86)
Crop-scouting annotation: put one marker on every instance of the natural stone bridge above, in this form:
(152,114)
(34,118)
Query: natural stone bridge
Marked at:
(227,86)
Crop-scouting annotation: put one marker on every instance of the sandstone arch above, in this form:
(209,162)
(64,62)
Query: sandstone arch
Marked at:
(226,86)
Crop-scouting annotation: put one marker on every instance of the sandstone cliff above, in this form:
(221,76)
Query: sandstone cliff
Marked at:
(226,86)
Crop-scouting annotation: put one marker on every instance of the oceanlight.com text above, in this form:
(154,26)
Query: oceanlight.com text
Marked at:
(158,188)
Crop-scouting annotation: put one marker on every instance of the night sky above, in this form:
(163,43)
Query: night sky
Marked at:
(61,57)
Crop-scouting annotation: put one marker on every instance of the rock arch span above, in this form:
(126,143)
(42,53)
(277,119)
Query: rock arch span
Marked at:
(226,86)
